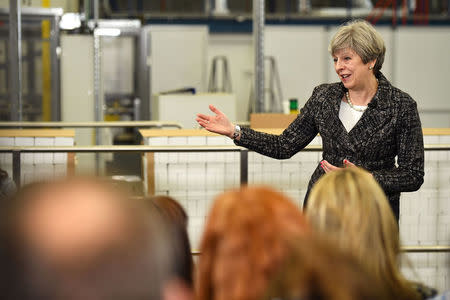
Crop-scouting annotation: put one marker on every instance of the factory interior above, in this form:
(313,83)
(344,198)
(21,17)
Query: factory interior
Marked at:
(112,88)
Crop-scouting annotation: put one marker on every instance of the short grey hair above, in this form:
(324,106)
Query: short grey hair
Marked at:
(360,36)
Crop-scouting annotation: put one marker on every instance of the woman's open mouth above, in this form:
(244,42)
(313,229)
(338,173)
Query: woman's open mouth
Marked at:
(345,77)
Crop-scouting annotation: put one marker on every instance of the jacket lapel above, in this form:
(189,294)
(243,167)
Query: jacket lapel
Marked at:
(375,117)
(334,126)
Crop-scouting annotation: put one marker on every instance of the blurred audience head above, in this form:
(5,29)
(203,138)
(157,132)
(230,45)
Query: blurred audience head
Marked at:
(315,270)
(350,207)
(83,238)
(244,242)
(7,185)
(171,209)
(176,221)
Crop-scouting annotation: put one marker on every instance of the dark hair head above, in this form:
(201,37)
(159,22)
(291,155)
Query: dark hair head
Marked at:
(176,221)
(171,209)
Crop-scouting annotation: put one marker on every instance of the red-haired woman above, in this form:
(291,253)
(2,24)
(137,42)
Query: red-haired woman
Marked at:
(245,241)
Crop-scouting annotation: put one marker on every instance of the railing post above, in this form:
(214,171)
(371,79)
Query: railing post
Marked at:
(16,167)
(244,166)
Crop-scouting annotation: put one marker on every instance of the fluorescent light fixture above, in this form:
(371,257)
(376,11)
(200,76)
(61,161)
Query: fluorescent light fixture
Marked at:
(107,31)
(70,21)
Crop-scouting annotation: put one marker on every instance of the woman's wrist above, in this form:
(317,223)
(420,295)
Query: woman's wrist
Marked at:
(236,132)
(231,134)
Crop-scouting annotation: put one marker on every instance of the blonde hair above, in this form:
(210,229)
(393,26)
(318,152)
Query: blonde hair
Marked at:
(350,207)
(316,269)
(245,241)
(361,37)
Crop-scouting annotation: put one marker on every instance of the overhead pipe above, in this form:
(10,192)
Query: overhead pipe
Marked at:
(15,59)
(258,45)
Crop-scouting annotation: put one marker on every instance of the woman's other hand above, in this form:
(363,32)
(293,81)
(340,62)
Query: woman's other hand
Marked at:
(347,163)
(327,167)
(218,123)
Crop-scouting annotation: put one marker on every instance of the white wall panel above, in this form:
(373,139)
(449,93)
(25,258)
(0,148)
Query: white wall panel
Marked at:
(178,56)
(26,158)
(238,48)
(61,158)
(6,158)
(44,158)
(118,77)
(423,65)
(299,53)
(37,166)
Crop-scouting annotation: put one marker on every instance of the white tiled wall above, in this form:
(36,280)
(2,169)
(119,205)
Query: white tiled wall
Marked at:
(6,158)
(425,218)
(194,179)
(37,166)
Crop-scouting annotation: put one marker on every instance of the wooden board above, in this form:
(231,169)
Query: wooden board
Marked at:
(271,120)
(436,131)
(175,132)
(37,132)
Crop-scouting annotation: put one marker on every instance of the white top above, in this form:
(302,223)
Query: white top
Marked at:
(348,116)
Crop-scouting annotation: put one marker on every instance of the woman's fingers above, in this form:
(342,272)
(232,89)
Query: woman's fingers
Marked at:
(214,109)
(327,167)
(324,165)
(217,123)
(201,122)
(203,117)
(347,163)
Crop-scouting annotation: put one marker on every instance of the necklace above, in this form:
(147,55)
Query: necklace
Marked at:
(347,96)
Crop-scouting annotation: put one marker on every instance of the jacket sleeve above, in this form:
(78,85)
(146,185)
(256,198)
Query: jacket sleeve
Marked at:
(408,175)
(293,139)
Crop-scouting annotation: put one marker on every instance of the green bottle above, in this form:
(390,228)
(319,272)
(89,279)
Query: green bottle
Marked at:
(293,106)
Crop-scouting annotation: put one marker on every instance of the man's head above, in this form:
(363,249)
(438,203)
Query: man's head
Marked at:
(83,238)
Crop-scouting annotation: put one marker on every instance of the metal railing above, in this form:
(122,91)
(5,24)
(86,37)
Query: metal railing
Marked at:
(17,152)
(406,249)
(158,124)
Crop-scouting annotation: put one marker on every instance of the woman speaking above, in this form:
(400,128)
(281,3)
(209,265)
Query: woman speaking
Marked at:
(363,120)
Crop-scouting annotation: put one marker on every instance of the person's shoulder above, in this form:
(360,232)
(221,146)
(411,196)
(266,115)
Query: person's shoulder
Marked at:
(324,87)
(394,93)
(402,96)
(393,96)
(326,90)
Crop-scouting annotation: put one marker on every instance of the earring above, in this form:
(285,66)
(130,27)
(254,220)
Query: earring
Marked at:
(371,67)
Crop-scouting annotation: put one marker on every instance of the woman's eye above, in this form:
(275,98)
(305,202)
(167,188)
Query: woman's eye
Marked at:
(335,59)
(347,58)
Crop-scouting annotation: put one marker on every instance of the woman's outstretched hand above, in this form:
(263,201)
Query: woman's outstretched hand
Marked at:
(218,123)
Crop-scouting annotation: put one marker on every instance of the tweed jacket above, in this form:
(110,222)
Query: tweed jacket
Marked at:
(390,128)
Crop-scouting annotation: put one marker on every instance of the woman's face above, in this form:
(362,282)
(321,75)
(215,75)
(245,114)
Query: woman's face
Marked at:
(351,70)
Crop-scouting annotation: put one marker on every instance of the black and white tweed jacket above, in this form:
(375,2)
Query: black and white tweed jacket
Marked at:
(389,128)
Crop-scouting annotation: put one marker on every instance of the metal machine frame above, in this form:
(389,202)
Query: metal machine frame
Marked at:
(29,22)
